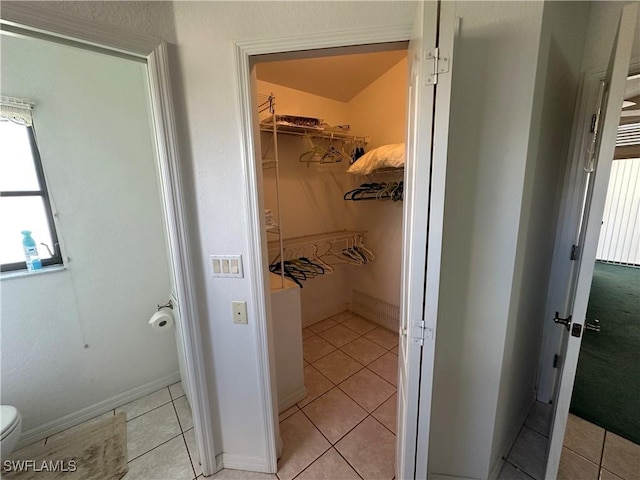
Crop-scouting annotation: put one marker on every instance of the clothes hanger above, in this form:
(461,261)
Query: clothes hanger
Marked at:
(364,249)
(328,268)
(315,151)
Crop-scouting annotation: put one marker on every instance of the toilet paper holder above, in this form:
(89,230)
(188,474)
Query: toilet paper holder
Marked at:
(169,304)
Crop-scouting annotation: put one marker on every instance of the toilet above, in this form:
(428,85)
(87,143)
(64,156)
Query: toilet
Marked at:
(11,423)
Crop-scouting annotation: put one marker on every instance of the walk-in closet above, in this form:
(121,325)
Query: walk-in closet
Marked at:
(331,155)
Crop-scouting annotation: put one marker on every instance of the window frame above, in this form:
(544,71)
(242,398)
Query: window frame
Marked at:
(43,192)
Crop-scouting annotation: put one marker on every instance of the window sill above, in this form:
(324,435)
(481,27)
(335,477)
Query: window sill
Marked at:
(26,273)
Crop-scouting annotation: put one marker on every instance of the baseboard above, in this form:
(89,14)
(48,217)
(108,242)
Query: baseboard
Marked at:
(291,399)
(508,444)
(439,476)
(497,468)
(239,462)
(87,413)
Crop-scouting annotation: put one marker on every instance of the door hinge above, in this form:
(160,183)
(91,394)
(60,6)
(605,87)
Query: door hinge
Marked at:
(421,332)
(556,360)
(575,252)
(563,321)
(594,119)
(435,65)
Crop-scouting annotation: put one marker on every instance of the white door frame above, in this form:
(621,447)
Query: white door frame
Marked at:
(257,243)
(567,227)
(579,274)
(41,22)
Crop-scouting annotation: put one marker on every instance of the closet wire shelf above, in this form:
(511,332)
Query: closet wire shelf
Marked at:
(317,239)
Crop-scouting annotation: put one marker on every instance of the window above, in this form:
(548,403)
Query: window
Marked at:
(24,200)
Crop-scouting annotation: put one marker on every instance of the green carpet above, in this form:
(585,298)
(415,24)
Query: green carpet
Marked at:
(607,385)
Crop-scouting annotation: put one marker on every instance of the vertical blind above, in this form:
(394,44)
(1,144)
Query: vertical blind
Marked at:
(620,233)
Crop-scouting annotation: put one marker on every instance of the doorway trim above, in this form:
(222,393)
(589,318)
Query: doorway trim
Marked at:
(567,228)
(51,25)
(564,270)
(257,251)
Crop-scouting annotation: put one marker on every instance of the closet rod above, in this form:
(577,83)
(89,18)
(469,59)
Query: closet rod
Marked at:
(308,240)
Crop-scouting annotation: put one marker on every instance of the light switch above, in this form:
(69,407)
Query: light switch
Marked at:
(239,312)
(226,266)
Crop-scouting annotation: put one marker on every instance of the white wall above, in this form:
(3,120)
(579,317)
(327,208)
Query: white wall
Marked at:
(380,111)
(494,72)
(562,41)
(491,121)
(603,24)
(206,33)
(93,129)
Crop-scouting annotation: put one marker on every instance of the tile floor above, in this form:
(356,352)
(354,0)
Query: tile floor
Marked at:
(589,452)
(350,374)
(160,437)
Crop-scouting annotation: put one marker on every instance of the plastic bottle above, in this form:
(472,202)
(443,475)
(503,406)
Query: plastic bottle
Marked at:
(31,252)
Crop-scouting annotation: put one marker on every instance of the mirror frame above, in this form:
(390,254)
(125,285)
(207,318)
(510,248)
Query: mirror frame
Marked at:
(35,21)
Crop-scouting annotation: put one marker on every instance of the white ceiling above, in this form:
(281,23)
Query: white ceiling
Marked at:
(338,77)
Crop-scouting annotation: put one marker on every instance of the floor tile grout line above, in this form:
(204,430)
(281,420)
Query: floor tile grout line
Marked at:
(346,378)
(317,370)
(171,395)
(382,424)
(151,450)
(362,406)
(381,377)
(318,428)
(288,416)
(388,429)
(337,385)
(583,457)
(175,410)
(518,468)
(545,435)
(154,408)
(388,350)
(512,447)
(604,442)
(320,358)
(193,468)
(348,463)
(333,445)
(349,431)
(312,462)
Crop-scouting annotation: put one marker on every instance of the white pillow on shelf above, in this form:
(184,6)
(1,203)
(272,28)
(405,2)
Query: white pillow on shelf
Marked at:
(386,156)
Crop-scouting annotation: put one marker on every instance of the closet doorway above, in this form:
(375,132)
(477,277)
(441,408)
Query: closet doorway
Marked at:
(331,151)
(326,150)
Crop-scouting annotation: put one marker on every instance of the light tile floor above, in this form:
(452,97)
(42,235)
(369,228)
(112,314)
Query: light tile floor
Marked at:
(160,437)
(589,452)
(345,427)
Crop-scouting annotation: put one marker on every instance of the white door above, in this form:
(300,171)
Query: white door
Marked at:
(593,208)
(425,169)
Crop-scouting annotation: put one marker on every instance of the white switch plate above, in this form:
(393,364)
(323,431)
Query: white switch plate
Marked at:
(226,266)
(239,312)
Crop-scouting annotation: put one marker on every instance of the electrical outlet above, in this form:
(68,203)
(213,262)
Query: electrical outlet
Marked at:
(226,266)
(239,312)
